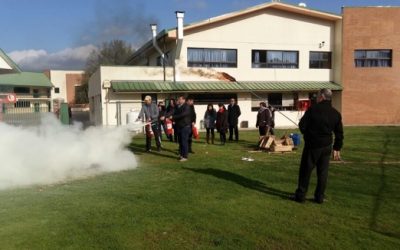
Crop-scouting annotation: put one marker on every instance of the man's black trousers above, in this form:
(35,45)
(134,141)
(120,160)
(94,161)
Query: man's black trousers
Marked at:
(313,157)
(233,128)
(156,133)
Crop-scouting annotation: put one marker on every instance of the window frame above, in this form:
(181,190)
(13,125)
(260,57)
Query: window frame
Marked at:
(320,62)
(269,65)
(211,64)
(363,60)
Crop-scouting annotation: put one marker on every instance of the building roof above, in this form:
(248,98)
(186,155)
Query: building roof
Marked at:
(25,79)
(219,86)
(270,5)
(171,33)
(5,60)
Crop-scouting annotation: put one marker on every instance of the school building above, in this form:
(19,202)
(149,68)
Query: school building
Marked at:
(277,52)
(371,65)
(23,95)
(65,84)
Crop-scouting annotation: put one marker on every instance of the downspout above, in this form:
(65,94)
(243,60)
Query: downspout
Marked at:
(179,38)
(154,30)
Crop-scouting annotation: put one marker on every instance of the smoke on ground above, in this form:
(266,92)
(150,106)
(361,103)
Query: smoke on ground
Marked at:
(54,153)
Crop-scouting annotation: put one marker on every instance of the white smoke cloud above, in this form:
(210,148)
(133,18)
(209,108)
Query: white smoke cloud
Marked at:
(39,60)
(53,153)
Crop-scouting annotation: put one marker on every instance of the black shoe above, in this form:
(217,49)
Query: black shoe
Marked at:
(297,199)
(158,149)
(191,151)
(148,150)
(318,200)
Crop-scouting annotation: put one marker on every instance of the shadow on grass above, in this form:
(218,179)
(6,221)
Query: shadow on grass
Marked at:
(139,149)
(251,145)
(242,181)
(379,199)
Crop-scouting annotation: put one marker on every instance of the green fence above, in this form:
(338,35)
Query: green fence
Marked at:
(24,112)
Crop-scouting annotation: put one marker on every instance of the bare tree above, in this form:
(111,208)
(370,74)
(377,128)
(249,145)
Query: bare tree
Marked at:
(115,52)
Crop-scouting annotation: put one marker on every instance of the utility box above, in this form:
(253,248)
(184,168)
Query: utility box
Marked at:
(64,114)
(244,124)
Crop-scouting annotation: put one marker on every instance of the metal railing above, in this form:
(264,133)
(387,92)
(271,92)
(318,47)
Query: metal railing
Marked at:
(24,112)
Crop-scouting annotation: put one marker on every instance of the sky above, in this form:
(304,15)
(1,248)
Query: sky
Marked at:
(60,34)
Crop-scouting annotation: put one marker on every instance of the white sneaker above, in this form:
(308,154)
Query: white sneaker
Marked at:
(183,159)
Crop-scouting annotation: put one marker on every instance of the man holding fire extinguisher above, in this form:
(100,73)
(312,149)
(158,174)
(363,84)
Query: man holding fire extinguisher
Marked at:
(149,113)
(182,119)
(190,102)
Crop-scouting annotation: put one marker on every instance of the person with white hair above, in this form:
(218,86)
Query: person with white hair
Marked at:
(318,124)
(150,114)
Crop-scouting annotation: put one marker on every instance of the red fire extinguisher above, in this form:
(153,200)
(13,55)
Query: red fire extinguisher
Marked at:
(195,132)
(149,131)
(168,123)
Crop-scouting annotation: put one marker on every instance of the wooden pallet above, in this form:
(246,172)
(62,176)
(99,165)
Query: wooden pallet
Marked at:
(271,143)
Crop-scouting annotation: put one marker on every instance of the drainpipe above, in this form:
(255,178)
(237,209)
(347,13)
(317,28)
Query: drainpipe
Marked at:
(179,38)
(107,86)
(154,30)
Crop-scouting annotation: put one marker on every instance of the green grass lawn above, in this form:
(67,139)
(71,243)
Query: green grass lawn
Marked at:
(216,200)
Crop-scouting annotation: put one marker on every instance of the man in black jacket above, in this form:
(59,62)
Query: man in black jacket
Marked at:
(317,125)
(233,119)
(182,119)
(190,102)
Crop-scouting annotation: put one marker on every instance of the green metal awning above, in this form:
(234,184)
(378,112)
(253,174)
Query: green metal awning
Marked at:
(25,79)
(219,86)
(289,86)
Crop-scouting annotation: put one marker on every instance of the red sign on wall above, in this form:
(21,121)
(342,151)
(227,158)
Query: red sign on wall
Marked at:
(8,98)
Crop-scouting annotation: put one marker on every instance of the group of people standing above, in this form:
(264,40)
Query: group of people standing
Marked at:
(317,125)
(181,115)
(222,120)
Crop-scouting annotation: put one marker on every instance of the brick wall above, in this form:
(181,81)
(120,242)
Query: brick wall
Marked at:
(371,96)
(72,80)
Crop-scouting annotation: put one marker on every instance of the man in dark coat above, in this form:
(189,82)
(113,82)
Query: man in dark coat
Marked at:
(190,102)
(317,126)
(264,119)
(233,119)
(182,119)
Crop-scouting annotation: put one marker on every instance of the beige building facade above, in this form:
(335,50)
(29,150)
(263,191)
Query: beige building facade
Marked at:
(65,83)
(276,52)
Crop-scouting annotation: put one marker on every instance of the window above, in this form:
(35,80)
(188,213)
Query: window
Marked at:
(280,101)
(373,58)
(213,98)
(275,99)
(275,59)
(22,90)
(57,90)
(22,104)
(35,93)
(212,58)
(166,60)
(320,60)
(259,58)
(256,99)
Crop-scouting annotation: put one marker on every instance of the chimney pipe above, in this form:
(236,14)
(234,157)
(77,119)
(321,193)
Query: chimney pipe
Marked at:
(179,16)
(154,31)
